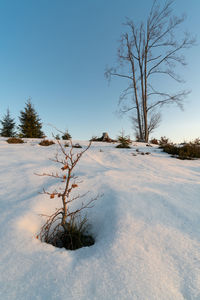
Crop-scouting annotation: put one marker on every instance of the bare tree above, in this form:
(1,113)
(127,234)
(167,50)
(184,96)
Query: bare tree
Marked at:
(148,49)
(65,227)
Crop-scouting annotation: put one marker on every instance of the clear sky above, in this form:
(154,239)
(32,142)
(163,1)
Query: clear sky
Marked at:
(56,53)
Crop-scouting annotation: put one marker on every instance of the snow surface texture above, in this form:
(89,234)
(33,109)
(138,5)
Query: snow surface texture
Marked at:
(146,226)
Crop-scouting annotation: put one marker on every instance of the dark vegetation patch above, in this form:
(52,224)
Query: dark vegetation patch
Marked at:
(123,146)
(187,151)
(66,136)
(124,141)
(74,236)
(77,145)
(164,141)
(46,143)
(104,138)
(14,140)
(154,141)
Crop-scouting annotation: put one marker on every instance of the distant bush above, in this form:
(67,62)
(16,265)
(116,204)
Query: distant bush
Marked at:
(154,141)
(163,141)
(124,145)
(196,141)
(57,137)
(188,151)
(46,143)
(104,138)
(66,136)
(170,149)
(14,140)
(77,145)
(95,139)
(124,141)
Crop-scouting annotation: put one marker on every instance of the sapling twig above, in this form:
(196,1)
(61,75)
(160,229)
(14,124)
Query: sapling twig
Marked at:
(60,220)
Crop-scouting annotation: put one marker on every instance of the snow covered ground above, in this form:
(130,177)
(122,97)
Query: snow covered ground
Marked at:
(146,226)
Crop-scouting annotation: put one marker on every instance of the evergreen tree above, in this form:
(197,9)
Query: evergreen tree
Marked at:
(31,125)
(8,126)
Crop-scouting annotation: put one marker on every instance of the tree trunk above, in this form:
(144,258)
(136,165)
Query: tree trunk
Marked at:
(145,91)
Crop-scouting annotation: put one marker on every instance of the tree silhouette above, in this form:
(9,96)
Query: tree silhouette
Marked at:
(8,126)
(30,123)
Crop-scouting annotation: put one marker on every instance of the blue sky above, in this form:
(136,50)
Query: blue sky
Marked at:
(56,53)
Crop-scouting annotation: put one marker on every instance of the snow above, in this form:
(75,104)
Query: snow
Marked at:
(146,226)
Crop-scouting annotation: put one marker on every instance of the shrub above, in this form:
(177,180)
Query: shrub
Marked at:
(163,141)
(57,137)
(46,143)
(95,139)
(77,145)
(104,138)
(65,227)
(154,141)
(196,141)
(124,141)
(14,140)
(170,149)
(188,151)
(123,145)
(66,136)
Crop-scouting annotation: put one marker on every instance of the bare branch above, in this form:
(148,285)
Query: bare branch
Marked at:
(121,75)
(125,110)
(176,98)
(168,56)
